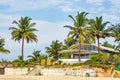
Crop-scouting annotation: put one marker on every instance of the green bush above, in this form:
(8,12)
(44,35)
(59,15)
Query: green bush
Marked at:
(56,63)
(76,64)
(64,64)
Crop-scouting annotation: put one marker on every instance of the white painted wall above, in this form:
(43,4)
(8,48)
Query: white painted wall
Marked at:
(16,71)
(71,61)
(67,72)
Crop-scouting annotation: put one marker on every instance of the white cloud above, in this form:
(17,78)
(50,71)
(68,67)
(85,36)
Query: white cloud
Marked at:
(115,6)
(49,31)
(6,19)
(96,2)
(110,17)
(96,9)
(66,8)
(115,2)
(16,5)
(22,5)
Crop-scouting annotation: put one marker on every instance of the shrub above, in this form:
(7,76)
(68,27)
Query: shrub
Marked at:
(76,64)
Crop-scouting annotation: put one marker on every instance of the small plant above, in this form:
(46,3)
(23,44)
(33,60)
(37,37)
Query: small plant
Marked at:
(76,64)
(56,63)
(64,64)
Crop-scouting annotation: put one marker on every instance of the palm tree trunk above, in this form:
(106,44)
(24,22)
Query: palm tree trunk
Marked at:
(98,45)
(98,48)
(79,50)
(22,49)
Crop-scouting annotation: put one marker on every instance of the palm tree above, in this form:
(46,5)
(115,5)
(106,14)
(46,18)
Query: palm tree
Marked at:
(2,49)
(54,49)
(19,62)
(106,44)
(116,34)
(78,32)
(35,56)
(99,30)
(116,59)
(24,31)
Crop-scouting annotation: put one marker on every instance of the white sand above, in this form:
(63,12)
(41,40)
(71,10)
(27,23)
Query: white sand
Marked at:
(5,77)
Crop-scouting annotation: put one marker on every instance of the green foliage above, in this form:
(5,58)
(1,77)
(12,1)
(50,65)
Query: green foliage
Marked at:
(2,48)
(76,64)
(98,29)
(104,57)
(116,59)
(53,50)
(116,32)
(19,62)
(24,31)
(106,44)
(66,56)
(64,64)
(116,35)
(4,60)
(98,59)
(35,57)
(78,32)
(56,63)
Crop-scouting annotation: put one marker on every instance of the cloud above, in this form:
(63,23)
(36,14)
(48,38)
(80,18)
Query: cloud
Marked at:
(23,5)
(6,19)
(115,2)
(66,8)
(15,5)
(96,2)
(115,6)
(49,31)
(111,17)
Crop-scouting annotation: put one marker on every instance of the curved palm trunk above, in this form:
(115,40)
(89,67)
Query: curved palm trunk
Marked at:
(22,49)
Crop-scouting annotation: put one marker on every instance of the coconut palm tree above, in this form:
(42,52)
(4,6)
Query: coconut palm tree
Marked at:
(78,32)
(24,31)
(116,34)
(54,49)
(99,29)
(106,44)
(2,49)
(35,56)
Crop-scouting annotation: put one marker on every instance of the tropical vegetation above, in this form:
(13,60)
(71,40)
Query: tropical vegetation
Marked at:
(83,30)
(54,48)
(24,31)
(2,48)
(98,29)
(78,32)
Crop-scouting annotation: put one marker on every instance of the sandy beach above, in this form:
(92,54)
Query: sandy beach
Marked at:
(6,77)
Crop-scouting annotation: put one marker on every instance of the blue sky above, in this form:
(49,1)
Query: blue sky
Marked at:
(50,16)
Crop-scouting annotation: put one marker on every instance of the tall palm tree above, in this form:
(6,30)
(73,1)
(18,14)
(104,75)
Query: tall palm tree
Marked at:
(116,34)
(54,49)
(24,31)
(99,29)
(78,32)
(2,49)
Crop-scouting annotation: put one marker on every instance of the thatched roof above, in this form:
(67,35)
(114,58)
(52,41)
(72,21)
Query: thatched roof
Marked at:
(77,51)
(73,49)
